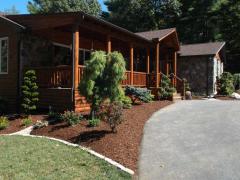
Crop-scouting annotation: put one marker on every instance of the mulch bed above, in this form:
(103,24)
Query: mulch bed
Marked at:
(15,123)
(122,146)
(224,98)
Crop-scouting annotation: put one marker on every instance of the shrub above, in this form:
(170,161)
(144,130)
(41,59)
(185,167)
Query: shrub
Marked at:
(29,92)
(187,85)
(94,122)
(141,94)
(166,89)
(236,81)
(40,124)
(3,106)
(27,122)
(126,102)
(71,117)
(225,84)
(54,115)
(112,114)
(4,122)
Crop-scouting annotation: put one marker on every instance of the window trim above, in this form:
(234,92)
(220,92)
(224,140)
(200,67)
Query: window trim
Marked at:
(4,38)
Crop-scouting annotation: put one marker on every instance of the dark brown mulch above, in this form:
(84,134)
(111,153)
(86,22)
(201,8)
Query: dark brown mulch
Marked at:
(122,146)
(15,123)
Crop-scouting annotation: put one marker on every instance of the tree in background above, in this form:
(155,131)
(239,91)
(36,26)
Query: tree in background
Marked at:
(197,21)
(11,11)
(102,79)
(91,7)
(29,92)
(228,18)
(142,15)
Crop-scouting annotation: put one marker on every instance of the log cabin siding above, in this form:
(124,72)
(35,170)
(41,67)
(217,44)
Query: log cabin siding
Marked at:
(58,99)
(9,81)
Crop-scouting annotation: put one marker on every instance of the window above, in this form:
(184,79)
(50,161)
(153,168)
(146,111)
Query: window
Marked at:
(3,55)
(84,55)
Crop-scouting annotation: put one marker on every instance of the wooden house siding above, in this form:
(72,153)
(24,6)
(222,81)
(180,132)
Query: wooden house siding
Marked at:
(9,81)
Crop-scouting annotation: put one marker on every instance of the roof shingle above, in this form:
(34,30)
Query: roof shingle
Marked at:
(156,34)
(201,49)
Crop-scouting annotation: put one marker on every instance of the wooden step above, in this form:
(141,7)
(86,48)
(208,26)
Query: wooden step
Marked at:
(177,97)
(82,109)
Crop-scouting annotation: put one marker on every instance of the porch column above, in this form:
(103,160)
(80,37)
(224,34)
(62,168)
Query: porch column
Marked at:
(157,64)
(109,44)
(175,67)
(76,55)
(148,61)
(131,63)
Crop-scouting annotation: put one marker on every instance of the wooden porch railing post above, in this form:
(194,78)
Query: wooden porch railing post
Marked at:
(131,62)
(157,64)
(75,63)
(109,44)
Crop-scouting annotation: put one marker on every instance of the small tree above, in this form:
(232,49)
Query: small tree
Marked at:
(29,92)
(166,89)
(102,79)
(112,114)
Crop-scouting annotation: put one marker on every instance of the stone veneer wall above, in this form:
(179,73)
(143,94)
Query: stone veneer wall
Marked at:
(199,72)
(35,51)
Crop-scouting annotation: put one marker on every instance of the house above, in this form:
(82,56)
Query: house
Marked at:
(201,64)
(56,46)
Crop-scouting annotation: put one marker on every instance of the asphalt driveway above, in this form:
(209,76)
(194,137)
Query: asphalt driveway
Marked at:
(192,140)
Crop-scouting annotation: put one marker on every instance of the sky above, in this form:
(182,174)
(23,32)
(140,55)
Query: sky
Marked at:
(21,5)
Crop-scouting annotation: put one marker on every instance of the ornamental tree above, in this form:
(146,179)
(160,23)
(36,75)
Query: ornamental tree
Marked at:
(102,79)
(29,92)
(166,89)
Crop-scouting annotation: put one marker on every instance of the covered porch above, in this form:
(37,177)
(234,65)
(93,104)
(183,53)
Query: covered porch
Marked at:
(73,36)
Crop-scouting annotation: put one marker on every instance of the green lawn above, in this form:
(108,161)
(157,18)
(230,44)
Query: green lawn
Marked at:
(27,158)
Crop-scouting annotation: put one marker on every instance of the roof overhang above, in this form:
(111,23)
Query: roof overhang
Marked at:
(171,36)
(11,23)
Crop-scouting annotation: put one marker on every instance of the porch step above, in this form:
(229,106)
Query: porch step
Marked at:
(177,97)
(82,109)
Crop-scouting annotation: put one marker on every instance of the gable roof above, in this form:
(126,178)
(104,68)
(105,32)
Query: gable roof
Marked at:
(201,49)
(157,34)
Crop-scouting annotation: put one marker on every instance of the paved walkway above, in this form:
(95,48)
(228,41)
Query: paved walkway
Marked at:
(192,140)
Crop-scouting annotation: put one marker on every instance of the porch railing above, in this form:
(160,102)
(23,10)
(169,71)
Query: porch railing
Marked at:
(179,84)
(127,80)
(61,76)
(53,77)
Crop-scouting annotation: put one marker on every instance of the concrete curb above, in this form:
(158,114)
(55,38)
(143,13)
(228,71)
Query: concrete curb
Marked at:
(26,132)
